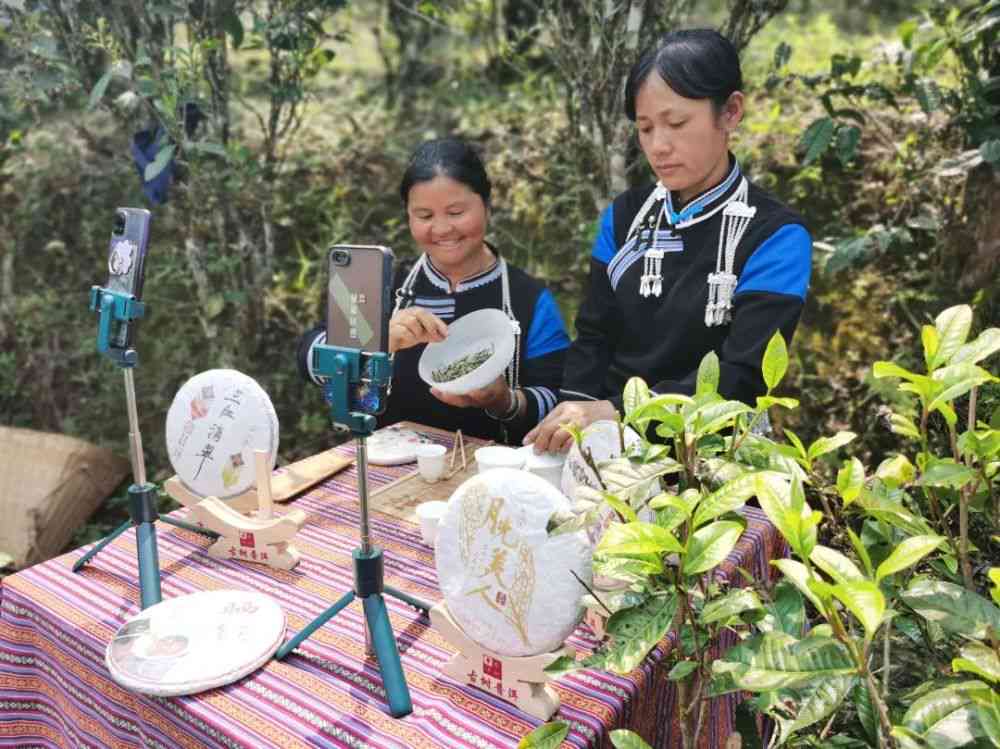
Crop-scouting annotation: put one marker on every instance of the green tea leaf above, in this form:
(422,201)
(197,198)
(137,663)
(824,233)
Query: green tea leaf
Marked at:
(635,394)
(908,553)
(863,599)
(828,444)
(994,576)
(946,472)
(816,139)
(786,611)
(708,374)
(956,380)
(709,546)
(978,659)
(622,738)
(896,471)
(637,538)
(836,565)
(626,513)
(929,337)
(903,426)
(784,663)
(682,670)
(764,402)
(816,702)
(794,439)
(729,497)
(546,736)
(953,326)
(944,718)
(636,631)
(891,369)
(733,603)
(987,344)
(861,551)
(952,607)
(798,575)
(775,361)
(716,416)
(850,480)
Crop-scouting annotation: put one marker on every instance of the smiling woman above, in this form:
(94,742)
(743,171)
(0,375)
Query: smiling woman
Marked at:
(446,192)
(702,260)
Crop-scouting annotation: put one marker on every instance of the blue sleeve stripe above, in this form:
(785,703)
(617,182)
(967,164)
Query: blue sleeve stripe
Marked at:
(604,242)
(547,333)
(781,265)
(545,399)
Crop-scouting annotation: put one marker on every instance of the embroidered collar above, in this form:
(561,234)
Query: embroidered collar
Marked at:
(704,203)
(439,280)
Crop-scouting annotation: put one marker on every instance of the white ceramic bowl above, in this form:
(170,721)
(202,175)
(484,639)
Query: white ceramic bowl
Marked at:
(498,456)
(482,329)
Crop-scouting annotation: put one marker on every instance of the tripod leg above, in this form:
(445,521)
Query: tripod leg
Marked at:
(188,526)
(388,656)
(315,624)
(78,565)
(149,565)
(406,598)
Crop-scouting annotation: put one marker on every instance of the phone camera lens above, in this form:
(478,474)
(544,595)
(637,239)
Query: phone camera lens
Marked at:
(340,257)
(119,225)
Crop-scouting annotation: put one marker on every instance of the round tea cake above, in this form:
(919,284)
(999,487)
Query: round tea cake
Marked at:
(393,446)
(195,642)
(507,583)
(602,439)
(216,421)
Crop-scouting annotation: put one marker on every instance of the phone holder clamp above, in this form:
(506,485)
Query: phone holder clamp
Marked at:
(115,305)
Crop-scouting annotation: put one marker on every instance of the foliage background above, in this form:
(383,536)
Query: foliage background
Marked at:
(898,239)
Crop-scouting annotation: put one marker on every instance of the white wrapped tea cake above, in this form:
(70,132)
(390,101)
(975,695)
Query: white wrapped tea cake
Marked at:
(507,583)
(216,421)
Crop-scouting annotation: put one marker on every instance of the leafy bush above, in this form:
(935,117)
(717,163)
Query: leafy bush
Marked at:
(901,574)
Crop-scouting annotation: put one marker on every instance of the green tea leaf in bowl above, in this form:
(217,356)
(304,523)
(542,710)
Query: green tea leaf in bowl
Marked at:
(462,366)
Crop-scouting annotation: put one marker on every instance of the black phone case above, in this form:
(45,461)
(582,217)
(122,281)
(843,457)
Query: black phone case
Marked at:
(127,264)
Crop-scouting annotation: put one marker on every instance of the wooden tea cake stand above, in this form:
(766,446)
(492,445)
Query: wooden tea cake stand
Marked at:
(521,681)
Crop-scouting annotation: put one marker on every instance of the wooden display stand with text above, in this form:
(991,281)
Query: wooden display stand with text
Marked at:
(519,680)
(260,538)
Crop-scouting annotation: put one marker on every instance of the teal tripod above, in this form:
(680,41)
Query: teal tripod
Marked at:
(342,368)
(115,306)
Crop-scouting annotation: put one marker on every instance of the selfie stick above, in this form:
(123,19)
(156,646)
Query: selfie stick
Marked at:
(125,308)
(342,368)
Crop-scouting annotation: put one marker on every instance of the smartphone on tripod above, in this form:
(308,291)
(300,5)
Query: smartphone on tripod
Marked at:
(359,304)
(127,264)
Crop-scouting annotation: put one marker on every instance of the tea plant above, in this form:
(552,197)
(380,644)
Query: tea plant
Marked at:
(876,637)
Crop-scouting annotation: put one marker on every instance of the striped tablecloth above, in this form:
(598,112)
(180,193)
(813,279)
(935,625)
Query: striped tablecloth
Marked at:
(54,626)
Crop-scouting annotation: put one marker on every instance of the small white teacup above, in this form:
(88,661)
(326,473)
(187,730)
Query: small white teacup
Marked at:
(430,514)
(498,456)
(430,461)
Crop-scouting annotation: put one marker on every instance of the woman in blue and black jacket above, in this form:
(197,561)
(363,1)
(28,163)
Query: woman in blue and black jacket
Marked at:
(702,260)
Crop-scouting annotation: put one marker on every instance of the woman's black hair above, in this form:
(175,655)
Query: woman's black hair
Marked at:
(449,157)
(696,63)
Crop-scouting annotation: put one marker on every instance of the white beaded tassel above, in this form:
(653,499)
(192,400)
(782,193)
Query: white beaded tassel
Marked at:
(735,219)
(651,282)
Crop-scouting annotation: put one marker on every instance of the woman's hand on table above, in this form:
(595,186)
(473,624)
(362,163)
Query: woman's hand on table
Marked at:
(549,436)
(495,397)
(415,325)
